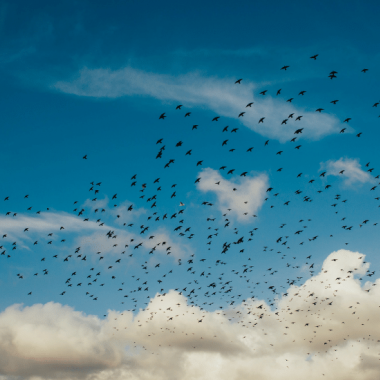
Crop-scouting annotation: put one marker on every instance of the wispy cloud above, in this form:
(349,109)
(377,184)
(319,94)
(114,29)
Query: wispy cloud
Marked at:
(160,239)
(46,222)
(219,95)
(349,169)
(89,235)
(247,198)
(120,213)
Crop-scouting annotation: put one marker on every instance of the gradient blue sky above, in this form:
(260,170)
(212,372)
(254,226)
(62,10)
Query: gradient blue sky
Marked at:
(92,78)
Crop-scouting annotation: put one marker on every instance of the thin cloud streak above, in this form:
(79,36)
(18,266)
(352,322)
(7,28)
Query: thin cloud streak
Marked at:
(219,95)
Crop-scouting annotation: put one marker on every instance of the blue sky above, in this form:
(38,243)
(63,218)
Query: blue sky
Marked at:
(89,78)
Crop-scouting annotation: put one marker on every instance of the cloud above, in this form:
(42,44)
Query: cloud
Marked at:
(220,95)
(160,239)
(324,328)
(44,222)
(352,171)
(126,216)
(250,189)
(89,235)
(46,340)
(120,213)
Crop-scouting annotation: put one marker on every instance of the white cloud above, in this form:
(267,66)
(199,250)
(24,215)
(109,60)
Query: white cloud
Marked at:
(325,328)
(99,242)
(352,171)
(92,237)
(126,216)
(99,204)
(193,90)
(50,339)
(45,222)
(250,189)
(121,210)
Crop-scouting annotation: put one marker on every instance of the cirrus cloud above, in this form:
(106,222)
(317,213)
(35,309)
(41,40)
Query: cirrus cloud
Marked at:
(220,95)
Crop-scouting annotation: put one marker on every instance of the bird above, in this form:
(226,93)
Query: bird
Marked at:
(230,198)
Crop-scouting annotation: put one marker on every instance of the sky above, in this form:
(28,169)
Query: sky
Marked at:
(234,237)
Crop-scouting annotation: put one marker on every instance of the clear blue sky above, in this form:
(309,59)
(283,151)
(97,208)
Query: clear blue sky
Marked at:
(90,78)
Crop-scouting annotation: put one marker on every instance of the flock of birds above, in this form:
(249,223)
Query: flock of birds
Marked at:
(210,274)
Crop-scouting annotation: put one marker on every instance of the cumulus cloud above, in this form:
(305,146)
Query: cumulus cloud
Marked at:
(47,340)
(250,189)
(349,169)
(219,95)
(324,328)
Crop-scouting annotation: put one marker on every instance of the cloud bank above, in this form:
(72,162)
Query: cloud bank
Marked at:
(325,328)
